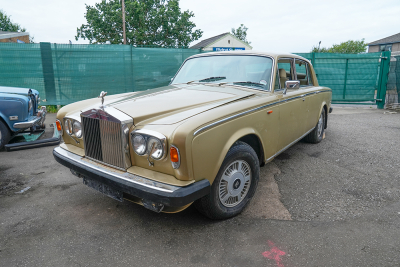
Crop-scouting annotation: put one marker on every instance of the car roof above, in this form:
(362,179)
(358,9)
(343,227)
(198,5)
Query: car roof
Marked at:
(248,52)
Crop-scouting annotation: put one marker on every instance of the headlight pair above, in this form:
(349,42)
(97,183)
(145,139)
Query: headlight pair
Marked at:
(73,127)
(146,142)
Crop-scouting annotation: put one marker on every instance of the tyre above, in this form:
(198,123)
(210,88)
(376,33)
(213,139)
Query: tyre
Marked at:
(235,184)
(4,134)
(315,136)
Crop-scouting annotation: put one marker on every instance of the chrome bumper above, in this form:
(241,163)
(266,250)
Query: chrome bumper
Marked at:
(33,120)
(132,184)
(26,124)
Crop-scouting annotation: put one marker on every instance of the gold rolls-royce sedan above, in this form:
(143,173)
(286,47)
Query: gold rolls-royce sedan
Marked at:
(200,140)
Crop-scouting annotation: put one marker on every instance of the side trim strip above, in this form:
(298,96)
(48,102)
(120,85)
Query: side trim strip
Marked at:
(251,110)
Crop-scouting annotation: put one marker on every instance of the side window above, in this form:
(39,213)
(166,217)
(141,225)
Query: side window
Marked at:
(303,73)
(285,71)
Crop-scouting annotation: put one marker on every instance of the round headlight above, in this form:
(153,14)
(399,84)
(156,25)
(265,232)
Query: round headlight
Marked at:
(68,126)
(139,144)
(77,129)
(156,148)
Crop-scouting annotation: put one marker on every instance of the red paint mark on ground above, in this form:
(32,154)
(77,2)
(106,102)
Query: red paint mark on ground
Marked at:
(274,254)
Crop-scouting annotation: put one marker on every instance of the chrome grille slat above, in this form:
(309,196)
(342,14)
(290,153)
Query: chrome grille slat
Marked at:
(103,141)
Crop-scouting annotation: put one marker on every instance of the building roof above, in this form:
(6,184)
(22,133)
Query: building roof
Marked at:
(4,34)
(388,40)
(208,41)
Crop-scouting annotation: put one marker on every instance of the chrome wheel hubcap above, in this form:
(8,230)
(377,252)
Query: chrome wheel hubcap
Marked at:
(235,183)
(320,125)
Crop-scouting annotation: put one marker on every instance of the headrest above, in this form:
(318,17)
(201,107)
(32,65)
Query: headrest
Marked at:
(282,73)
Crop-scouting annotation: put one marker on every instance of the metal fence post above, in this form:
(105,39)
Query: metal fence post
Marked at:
(345,78)
(383,78)
(48,72)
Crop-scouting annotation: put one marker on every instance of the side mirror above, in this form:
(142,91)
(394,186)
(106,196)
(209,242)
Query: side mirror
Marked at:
(291,85)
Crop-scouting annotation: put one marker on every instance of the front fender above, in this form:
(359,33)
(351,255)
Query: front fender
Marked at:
(211,147)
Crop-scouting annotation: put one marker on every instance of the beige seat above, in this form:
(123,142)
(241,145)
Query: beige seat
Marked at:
(282,77)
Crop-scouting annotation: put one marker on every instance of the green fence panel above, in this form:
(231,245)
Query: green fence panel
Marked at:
(352,77)
(21,66)
(65,73)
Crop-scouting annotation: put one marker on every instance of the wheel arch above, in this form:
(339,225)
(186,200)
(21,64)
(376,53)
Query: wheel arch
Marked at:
(247,135)
(324,106)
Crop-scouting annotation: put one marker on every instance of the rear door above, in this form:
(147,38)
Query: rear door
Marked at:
(303,74)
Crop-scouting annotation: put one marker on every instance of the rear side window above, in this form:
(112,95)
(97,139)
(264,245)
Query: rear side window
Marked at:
(303,73)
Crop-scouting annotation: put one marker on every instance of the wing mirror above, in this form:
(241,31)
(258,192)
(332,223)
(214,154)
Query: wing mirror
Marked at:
(291,85)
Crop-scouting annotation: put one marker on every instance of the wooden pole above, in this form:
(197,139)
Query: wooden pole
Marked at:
(123,21)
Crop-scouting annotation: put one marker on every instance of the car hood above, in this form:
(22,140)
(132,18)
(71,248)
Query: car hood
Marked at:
(174,103)
(16,90)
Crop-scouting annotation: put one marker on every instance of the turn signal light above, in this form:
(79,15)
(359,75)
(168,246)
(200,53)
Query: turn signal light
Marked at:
(173,152)
(58,123)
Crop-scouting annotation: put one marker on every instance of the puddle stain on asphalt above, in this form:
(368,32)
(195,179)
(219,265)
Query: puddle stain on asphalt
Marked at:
(266,202)
(274,254)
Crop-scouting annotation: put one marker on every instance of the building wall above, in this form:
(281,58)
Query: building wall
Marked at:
(223,42)
(14,39)
(375,48)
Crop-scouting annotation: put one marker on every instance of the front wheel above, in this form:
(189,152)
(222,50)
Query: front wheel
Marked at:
(4,135)
(235,184)
(316,135)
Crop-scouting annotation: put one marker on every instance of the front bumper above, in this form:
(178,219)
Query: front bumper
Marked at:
(27,124)
(141,187)
(33,120)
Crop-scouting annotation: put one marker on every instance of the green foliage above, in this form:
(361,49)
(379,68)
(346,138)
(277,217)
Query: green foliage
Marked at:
(349,47)
(148,23)
(241,33)
(52,108)
(7,25)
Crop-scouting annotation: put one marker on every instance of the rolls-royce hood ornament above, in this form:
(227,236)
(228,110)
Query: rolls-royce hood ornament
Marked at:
(102,95)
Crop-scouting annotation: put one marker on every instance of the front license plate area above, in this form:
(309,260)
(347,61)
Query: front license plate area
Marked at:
(105,189)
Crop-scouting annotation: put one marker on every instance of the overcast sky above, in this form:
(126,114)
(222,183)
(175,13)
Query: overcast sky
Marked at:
(279,26)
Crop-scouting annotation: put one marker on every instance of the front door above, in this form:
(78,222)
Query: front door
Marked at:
(293,109)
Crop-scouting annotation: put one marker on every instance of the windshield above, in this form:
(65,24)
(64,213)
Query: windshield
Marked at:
(251,71)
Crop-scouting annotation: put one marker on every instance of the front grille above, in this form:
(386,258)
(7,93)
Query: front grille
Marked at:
(103,141)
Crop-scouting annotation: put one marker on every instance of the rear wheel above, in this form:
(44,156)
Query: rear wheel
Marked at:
(4,134)
(235,184)
(316,135)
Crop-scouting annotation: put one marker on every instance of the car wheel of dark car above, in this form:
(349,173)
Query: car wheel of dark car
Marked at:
(235,184)
(316,135)
(4,135)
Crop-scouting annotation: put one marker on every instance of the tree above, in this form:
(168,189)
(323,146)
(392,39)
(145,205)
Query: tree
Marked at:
(148,22)
(241,33)
(349,47)
(6,24)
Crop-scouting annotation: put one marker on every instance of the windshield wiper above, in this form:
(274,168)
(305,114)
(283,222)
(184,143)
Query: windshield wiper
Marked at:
(251,83)
(209,79)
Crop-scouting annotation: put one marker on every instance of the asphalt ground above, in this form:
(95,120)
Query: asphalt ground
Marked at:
(336,203)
